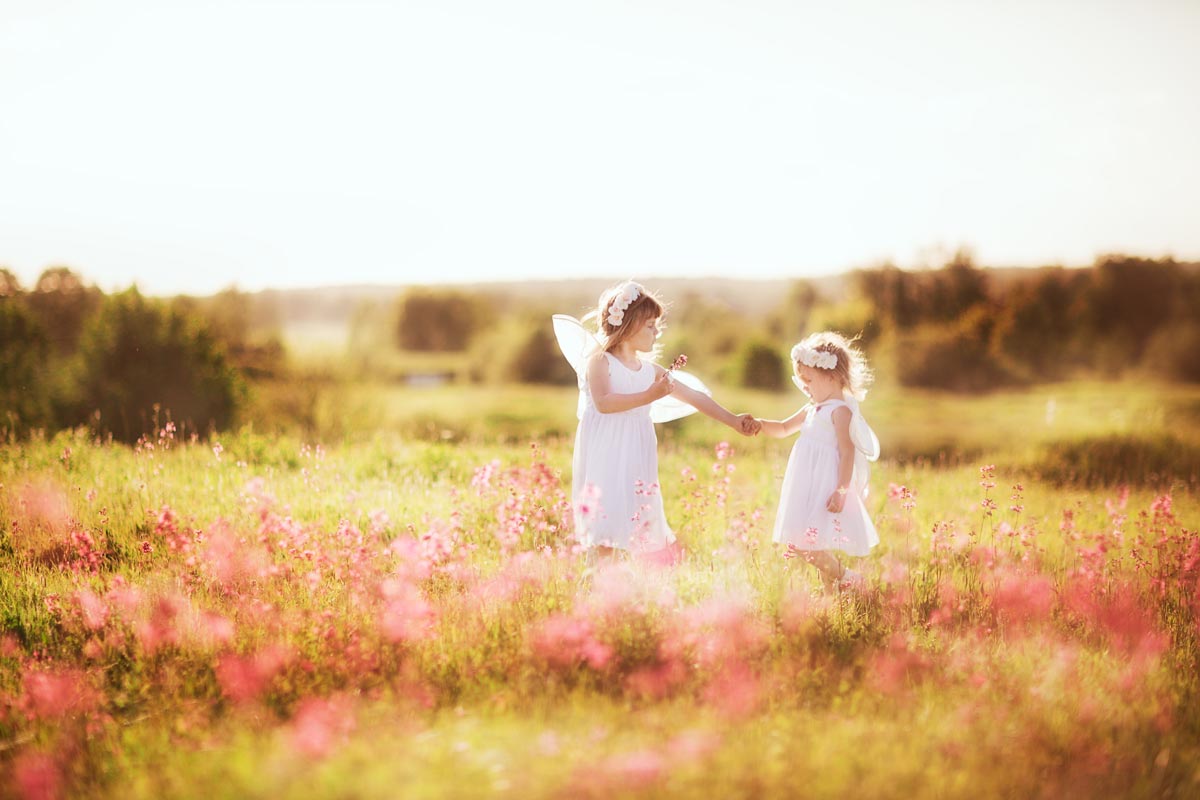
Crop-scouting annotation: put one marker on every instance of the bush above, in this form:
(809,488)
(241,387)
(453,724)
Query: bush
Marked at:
(1174,352)
(1117,459)
(538,360)
(956,357)
(762,366)
(440,320)
(24,394)
(138,358)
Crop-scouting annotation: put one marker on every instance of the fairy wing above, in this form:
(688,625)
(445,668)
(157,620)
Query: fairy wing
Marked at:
(576,342)
(670,408)
(866,446)
(864,439)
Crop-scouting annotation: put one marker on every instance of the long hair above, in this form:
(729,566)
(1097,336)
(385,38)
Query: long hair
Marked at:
(645,307)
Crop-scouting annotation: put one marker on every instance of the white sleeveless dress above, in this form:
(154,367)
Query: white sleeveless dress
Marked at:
(616,498)
(810,479)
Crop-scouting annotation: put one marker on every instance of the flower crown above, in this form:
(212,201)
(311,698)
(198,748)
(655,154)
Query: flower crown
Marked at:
(628,292)
(818,359)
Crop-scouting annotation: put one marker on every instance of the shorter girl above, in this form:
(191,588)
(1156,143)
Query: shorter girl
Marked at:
(821,504)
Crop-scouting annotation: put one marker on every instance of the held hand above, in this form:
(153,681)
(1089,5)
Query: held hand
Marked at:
(837,501)
(748,425)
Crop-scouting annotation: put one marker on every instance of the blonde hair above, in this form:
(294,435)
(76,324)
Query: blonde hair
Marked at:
(645,307)
(851,370)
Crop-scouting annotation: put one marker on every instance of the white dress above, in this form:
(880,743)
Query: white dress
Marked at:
(810,479)
(617,500)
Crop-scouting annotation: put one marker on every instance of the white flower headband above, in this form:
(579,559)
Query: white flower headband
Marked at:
(629,292)
(818,359)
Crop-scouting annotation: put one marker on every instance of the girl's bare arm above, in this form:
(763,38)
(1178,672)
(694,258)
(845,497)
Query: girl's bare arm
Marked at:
(707,406)
(841,427)
(610,402)
(777,428)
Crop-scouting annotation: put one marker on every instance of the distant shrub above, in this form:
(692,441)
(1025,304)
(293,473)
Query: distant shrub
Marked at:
(1174,352)
(24,394)
(762,366)
(956,357)
(1117,459)
(137,357)
(441,321)
(537,359)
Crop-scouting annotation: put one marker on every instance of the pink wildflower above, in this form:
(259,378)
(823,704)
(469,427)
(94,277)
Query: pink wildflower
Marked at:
(93,610)
(566,641)
(36,776)
(244,678)
(54,695)
(320,725)
(406,614)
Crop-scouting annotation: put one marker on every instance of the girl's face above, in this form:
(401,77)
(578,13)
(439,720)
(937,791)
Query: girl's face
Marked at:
(644,337)
(818,384)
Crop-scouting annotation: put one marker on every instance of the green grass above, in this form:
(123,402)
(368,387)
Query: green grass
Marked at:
(935,683)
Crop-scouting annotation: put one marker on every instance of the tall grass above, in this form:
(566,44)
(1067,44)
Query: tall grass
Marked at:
(405,613)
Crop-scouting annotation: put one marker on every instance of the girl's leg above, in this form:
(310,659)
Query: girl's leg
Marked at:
(602,555)
(828,566)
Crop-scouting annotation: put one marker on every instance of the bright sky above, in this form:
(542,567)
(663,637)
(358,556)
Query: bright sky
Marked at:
(189,145)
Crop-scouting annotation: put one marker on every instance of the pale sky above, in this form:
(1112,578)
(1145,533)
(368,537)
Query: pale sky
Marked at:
(189,145)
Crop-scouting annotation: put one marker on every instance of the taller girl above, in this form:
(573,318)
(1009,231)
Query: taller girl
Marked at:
(617,499)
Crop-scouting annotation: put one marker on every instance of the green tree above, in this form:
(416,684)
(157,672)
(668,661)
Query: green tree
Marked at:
(139,358)
(62,303)
(10,286)
(762,366)
(1128,300)
(956,356)
(439,320)
(1038,324)
(538,360)
(24,394)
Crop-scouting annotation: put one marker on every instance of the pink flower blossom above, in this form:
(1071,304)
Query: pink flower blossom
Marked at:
(244,678)
(54,695)
(320,725)
(92,609)
(566,641)
(36,776)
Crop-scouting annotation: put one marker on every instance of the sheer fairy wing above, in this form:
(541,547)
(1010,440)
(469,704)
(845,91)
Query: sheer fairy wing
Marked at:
(866,446)
(669,409)
(864,439)
(576,343)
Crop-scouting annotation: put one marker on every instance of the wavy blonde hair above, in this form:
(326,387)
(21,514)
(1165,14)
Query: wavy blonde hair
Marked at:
(851,370)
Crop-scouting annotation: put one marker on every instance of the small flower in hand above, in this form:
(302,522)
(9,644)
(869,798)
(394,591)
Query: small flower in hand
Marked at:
(679,363)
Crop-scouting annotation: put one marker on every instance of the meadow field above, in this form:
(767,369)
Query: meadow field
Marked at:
(388,602)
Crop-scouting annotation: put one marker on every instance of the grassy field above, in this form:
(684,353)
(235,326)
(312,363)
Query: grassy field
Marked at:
(389,604)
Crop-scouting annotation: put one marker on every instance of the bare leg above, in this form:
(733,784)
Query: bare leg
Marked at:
(602,555)
(828,566)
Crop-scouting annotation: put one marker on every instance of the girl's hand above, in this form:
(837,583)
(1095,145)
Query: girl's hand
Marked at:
(749,425)
(661,387)
(837,501)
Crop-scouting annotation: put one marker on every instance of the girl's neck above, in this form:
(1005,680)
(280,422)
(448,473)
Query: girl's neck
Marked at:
(625,352)
(834,394)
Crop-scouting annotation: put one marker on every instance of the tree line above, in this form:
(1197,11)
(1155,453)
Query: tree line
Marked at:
(123,363)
